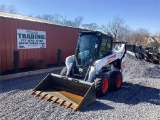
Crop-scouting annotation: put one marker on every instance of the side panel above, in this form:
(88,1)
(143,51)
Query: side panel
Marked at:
(116,54)
(123,69)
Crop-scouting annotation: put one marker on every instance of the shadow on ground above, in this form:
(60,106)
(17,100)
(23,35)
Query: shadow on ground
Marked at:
(129,93)
(134,94)
(24,83)
(95,106)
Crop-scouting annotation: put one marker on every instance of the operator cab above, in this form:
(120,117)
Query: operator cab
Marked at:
(92,46)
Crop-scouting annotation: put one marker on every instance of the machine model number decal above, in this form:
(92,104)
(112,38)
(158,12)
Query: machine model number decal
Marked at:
(111,58)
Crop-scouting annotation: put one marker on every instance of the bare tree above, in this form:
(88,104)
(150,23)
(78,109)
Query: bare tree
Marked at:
(46,17)
(78,21)
(139,37)
(38,16)
(114,27)
(58,18)
(12,9)
(69,23)
(90,26)
(74,23)
(3,8)
(123,34)
(143,35)
(30,15)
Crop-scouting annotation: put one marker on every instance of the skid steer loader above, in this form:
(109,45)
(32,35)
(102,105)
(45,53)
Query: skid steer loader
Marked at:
(95,68)
(149,54)
(152,55)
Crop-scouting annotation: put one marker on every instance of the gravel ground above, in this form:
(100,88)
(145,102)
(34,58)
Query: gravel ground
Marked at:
(138,99)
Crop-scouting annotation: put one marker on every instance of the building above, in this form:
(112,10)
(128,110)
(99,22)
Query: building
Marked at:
(35,39)
(155,39)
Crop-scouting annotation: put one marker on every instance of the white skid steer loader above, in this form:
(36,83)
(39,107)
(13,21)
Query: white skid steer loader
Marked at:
(95,68)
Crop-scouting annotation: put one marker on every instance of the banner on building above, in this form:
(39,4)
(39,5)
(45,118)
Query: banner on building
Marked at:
(28,39)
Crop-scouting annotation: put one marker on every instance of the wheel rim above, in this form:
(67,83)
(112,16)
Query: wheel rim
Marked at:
(119,81)
(105,85)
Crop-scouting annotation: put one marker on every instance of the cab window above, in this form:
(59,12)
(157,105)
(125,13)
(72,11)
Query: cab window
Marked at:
(106,47)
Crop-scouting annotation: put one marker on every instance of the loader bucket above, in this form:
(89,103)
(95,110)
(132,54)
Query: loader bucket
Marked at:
(72,93)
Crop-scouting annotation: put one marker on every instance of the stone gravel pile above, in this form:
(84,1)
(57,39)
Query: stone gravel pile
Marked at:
(138,99)
(140,68)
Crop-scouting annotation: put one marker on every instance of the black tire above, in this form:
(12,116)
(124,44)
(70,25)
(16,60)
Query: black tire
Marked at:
(115,80)
(64,71)
(102,86)
(136,55)
(156,61)
(146,59)
(141,56)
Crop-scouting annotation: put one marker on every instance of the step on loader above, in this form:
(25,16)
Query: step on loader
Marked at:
(94,69)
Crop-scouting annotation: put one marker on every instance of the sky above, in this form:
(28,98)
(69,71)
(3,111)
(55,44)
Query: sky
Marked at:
(135,13)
